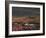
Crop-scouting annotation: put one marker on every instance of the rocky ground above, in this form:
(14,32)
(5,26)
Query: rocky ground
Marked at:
(25,23)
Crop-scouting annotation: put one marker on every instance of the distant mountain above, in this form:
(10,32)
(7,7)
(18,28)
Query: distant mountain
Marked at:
(32,19)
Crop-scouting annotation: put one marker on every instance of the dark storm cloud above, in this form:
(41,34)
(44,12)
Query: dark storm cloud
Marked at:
(23,11)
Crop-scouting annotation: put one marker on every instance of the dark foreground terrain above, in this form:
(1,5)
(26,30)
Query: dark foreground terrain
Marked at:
(25,23)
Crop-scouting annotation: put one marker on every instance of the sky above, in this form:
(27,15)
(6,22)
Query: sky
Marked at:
(25,11)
